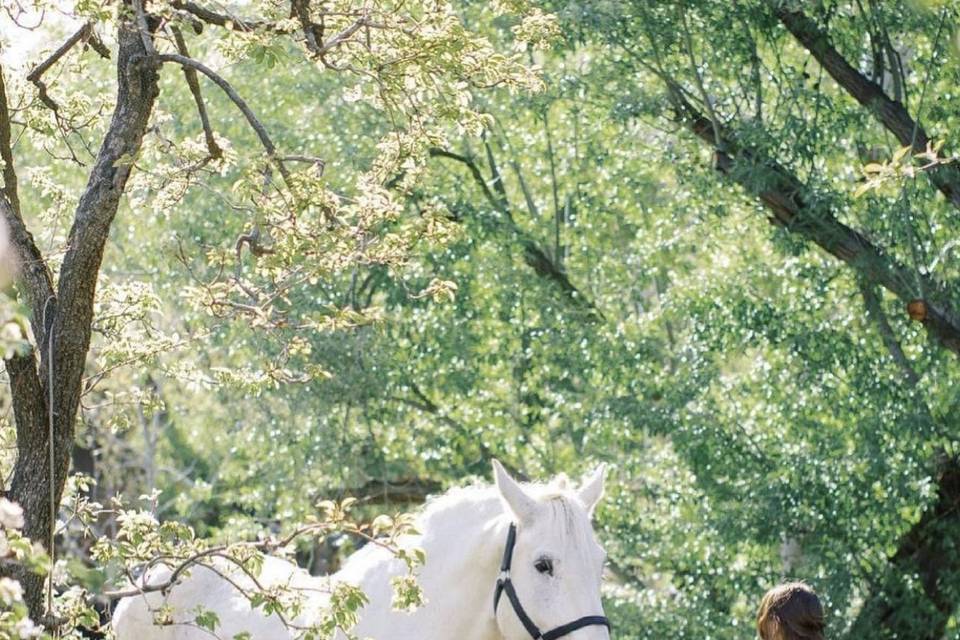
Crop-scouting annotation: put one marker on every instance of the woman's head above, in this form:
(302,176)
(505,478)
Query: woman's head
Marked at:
(790,611)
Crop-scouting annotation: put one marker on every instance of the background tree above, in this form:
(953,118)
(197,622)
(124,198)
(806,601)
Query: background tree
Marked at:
(612,289)
(413,62)
(789,103)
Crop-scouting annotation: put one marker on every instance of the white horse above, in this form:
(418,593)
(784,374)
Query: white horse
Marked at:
(546,578)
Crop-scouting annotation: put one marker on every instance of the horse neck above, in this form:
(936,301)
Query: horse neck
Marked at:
(463,533)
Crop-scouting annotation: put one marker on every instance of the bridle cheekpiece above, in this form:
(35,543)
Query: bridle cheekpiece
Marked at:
(505,585)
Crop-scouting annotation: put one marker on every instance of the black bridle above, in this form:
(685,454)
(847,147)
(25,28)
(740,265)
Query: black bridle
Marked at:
(504,584)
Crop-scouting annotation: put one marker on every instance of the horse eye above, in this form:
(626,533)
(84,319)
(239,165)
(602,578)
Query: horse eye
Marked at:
(544,565)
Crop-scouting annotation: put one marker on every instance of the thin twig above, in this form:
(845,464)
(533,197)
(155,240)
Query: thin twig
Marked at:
(217,79)
(223,20)
(872,302)
(707,103)
(38,71)
(190,74)
(341,37)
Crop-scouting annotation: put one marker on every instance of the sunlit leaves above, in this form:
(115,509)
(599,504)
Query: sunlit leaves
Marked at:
(383,320)
(903,165)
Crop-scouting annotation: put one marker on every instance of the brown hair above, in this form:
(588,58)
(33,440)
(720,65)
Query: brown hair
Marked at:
(790,611)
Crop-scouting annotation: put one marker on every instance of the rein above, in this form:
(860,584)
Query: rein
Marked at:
(505,585)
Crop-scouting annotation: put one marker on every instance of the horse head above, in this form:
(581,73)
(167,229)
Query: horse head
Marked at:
(549,584)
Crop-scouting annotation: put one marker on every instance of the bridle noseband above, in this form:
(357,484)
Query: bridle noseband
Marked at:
(504,584)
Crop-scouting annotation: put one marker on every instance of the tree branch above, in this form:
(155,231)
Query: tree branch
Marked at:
(33,276)
(342,37)
(872,302)
(221,19)
(61,51)
(142,26)
(436,152)
(311,32)
(496,178)
(34,76)
(920,574)
(890,113)
(190,74)
(402,491)
(425,404)
(241,104)
(786,197)
(6,150)
(535,257)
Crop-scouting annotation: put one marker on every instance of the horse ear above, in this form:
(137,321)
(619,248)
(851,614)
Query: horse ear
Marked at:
(522,505)
(591,490)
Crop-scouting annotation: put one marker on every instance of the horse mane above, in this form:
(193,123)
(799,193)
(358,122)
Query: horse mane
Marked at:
(481,501)
(479,506)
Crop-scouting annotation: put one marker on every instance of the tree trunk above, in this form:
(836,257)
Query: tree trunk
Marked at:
(67,315)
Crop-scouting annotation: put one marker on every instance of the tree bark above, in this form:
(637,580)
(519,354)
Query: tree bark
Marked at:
(67,314)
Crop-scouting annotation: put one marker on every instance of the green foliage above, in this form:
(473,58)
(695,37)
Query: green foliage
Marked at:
(599,294)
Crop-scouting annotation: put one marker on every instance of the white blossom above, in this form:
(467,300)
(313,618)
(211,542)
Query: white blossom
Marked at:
(10,591)
(11,514)
(25,628)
